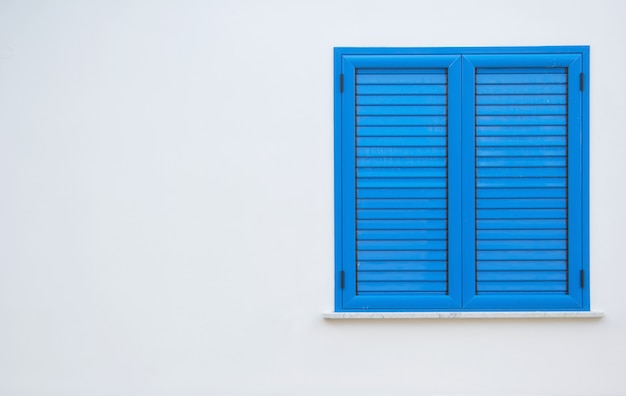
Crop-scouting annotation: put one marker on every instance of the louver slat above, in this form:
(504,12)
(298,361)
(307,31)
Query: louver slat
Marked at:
(401,181)
(521,181)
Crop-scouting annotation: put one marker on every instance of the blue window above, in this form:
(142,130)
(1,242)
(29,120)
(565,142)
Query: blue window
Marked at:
(461,179)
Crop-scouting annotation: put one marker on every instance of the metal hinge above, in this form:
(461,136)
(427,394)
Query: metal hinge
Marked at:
(582,279)
(582,82)
(341,83)
(343,279)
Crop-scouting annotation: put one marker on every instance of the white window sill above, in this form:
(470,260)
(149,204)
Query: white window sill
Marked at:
(465,315)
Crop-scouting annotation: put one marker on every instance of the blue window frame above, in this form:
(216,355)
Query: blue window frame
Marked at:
(461,179)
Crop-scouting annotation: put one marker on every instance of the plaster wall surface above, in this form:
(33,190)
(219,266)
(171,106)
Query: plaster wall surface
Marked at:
(166,204)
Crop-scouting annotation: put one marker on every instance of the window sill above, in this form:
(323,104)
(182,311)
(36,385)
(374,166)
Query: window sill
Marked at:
(466,315)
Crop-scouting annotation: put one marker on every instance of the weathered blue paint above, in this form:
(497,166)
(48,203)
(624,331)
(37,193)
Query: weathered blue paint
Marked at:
(461,179)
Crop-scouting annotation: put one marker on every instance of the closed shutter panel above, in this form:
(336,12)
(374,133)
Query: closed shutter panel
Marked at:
(401,181)
(521,181)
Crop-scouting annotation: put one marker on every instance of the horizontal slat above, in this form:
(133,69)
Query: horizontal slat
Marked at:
(402,120)
(521,172)
(402,131)
(521,120)
(404,70)
(511,141)
(521,78)
(546,182)
(521,224)
(425,89)
(521,110)
(401,78)
(401,276)
(401,234)
(423,224)
(549,286)
(521,276)
(401,172)
(401,110)
(382,214)
(521,162)
(412,100)
(402,193)
(401,152)
(401,203)
(401,183)
(521,99)
(548,203)
(402,265)
(521,193)
(530,244)
(521,234)
(528,130)
(521,214)
(523,89)
(521,255)
(401,255)
(401,162)
(401,245)
(401,286)
(536,265)
(520,151)
(521,70)
(401,141)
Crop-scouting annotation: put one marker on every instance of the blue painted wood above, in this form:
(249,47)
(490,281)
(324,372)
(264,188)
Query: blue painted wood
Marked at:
(395,265)
(402,100)
(525,286)
(534,265)
(406,110)
(404,234)
(401,172)
(522,224)
(413,224)
(521,213)
(520,99)
(511,162)
(402,286)
(401,141)
(517,141)
(389,214)
(439,89)
(402,193)
(521,120)
(393,277)
(402,131)
(404,162)
(521,192)
(537,244)
(424,182)
(392,203)
(509,203)
(517,234)
(401,120)
(521,276)
(521,152)
(544,109)
(407,77)
(506,76)
(401,255)
(560,172)
(386,152)
(511,138)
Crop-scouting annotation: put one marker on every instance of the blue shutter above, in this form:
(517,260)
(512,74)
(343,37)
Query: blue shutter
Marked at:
(526,122)
(396,116)
(461,179)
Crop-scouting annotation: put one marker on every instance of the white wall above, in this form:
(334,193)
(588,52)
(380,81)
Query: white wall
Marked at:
(166,203)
